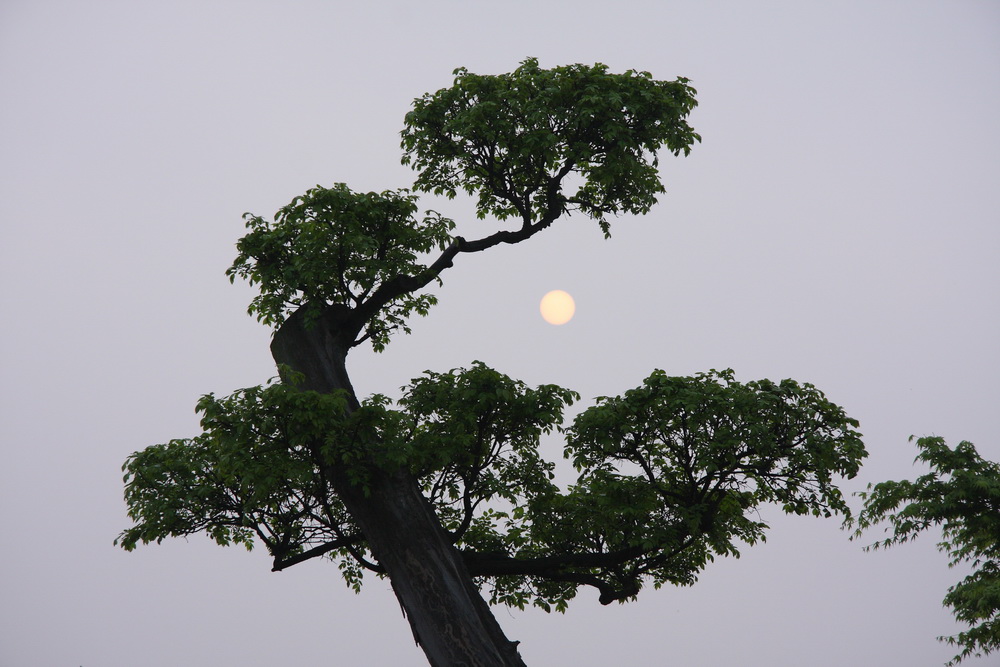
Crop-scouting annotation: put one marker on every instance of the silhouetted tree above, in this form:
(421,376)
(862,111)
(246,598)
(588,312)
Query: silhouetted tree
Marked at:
(444,491)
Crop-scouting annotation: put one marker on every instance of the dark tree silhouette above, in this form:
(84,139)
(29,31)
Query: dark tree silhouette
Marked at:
(444,491)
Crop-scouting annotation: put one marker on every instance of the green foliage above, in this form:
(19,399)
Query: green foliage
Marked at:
(255,470)
(476,433)
(786,440)
(961,494)
(335,246)
(512,139)
(673,472)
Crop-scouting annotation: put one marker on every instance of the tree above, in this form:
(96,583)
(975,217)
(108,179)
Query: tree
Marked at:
(444,490)
(961,494)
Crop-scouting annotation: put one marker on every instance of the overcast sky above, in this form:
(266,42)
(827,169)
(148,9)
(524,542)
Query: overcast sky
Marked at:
(838,225)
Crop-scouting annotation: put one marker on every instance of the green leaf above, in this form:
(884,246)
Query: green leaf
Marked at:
(512,139)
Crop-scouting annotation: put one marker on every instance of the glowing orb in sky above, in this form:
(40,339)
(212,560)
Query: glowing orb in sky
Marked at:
(557,307)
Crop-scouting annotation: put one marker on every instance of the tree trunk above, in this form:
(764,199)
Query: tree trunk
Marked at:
(450,620)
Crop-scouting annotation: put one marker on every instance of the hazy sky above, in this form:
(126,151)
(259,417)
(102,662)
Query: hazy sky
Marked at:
(838,226)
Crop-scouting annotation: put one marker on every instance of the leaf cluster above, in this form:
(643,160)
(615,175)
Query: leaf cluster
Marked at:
(671,474)
(256,470)
(335,246)
(258,467)
(961,494)
(512,139)
(476,434)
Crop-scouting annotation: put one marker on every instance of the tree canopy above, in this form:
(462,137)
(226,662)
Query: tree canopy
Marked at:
(512,139)
(961,494)
(335,246)
(445,490)
(671,474)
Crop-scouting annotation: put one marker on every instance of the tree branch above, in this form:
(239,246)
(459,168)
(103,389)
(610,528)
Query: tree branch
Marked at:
(555,568)
(283,563)
(404,284)
(500,564)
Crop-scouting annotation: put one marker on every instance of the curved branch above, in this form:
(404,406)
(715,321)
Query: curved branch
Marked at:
(500,564)
(556,568)
(283,563)
(404,284)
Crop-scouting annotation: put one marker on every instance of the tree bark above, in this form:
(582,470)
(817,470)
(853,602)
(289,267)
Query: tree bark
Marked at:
(449,618)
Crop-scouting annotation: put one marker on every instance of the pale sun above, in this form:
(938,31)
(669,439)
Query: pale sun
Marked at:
(557,307)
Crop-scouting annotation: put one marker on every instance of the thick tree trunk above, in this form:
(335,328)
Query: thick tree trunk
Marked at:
(449,618)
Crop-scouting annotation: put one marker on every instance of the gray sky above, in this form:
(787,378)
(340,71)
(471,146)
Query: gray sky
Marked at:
(838,226)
